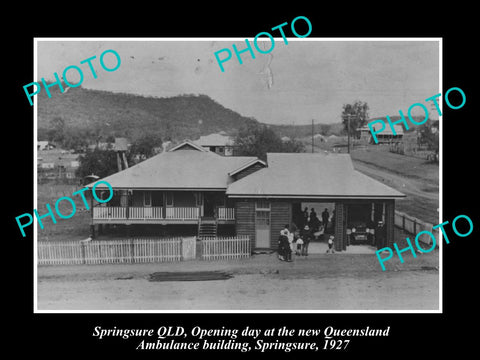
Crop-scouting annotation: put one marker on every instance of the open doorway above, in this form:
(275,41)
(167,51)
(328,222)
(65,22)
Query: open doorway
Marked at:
(358,226)
(319,216)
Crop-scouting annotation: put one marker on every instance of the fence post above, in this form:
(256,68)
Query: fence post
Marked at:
(132,251)
(414,226)
(403,222)
(182,249)
(82,246)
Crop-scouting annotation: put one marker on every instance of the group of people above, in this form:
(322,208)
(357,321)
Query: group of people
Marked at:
(311,219)
(293,241)
(296,240)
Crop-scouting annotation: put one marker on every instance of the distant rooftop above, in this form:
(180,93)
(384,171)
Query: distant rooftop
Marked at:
(399,130)
(215,140)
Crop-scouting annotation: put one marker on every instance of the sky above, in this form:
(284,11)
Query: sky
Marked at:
(309,78)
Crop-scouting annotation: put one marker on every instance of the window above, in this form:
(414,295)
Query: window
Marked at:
(262,205)
(169,198)
(262,217)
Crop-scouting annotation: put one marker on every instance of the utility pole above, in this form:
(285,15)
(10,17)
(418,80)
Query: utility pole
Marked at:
(312,136)
(348,132)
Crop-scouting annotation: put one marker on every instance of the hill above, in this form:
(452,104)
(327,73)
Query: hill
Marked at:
(302,131)
(95,113)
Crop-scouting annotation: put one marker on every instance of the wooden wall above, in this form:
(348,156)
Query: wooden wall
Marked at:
(245,219)
(280,215)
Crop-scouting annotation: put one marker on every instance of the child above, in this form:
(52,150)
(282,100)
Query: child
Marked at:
(299,246)
(291,241)
(330,249)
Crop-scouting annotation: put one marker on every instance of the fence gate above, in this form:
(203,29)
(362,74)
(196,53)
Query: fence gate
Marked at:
(189,248)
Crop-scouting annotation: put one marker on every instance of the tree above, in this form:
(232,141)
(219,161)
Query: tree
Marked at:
(427,136)
(98,162)
(324,129)
(145,145)
(358,115)
(73,140)
(57,132)
(255,139)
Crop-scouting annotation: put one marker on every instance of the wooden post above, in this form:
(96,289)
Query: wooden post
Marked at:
(127,210)
(83,253)
(389,222)
(339,226)
(132,250)
(346,239)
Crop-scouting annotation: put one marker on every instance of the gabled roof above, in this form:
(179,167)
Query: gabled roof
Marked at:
(180,169)
(186,145)
(306,175)
(247,165)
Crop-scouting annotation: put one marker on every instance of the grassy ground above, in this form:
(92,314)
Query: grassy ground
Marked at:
(407,166)
(75,228)
(416,178)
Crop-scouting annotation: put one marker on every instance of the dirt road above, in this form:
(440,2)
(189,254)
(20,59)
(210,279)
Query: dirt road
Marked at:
(317,282)
(422,198)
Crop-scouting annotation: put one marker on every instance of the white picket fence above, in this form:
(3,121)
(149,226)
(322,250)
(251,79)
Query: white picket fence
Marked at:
(222,248)
(138,250)
(413,226)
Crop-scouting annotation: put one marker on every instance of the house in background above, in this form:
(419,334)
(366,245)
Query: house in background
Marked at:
(218,143)
(56,164)
(386,136)
(190,185)
(45,145)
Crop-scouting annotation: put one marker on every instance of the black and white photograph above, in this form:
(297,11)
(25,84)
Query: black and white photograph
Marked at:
(268,174)
(237,181)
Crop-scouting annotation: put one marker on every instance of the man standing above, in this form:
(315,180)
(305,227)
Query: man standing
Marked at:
(304,217)
(325,217)
(380,234)
(306,235)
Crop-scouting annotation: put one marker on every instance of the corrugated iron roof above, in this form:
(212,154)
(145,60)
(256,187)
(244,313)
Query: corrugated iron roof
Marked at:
(180,169)
(317,175)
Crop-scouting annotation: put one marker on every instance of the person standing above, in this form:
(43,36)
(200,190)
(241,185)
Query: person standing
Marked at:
(306,235)
(284,245)
(281,249)
(380,235)
(325,217)
(304,217)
